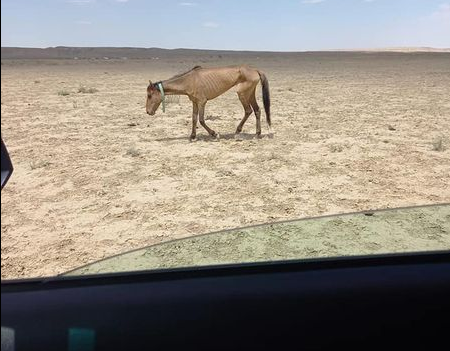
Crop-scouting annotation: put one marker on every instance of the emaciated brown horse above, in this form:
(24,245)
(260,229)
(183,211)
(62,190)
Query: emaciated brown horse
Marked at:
(204,84)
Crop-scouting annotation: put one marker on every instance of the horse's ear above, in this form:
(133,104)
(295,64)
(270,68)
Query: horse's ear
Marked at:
(150,82)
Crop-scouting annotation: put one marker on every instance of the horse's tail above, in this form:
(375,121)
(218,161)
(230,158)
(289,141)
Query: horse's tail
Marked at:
(266,96)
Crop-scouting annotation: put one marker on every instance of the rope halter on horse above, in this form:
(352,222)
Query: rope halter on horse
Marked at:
(159,86)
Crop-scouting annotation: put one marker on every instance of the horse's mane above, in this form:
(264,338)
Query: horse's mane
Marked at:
(182,74)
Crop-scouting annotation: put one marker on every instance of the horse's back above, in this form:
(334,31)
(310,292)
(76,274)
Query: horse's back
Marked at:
(238,73)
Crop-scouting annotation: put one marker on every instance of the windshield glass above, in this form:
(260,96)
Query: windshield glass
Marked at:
(135,123)
(373,232)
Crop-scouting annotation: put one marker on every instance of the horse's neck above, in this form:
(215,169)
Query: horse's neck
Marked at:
(176,86)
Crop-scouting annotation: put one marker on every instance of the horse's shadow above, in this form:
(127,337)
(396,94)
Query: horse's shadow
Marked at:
(208,138)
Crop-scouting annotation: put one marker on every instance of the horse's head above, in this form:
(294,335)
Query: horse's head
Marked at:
(154,99)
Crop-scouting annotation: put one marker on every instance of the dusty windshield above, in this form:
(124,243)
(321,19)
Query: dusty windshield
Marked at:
(133,123)
(417,229)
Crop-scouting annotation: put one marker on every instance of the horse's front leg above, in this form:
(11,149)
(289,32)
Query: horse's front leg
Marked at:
(201,116)
(194,121)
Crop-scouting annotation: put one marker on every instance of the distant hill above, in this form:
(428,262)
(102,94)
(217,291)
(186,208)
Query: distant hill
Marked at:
(64,52)
(403,49)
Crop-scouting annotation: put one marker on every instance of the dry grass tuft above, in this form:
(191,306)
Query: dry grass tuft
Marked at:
(84,90)
(438,144)
(63,93)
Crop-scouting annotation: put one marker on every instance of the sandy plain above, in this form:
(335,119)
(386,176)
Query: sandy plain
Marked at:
(95,176)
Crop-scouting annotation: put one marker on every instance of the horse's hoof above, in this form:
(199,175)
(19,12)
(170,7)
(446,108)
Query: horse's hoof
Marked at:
(192,139)
(258,136)
(216,136)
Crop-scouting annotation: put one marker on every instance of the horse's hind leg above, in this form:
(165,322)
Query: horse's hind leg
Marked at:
(247,108)
(257,111)
(201,115)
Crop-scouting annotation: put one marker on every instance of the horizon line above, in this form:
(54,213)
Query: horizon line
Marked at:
(395,48)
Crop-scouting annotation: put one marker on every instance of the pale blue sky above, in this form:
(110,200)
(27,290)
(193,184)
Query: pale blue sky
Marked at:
(276,25)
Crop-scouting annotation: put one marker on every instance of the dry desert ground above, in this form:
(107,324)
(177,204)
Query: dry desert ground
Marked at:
(96,176)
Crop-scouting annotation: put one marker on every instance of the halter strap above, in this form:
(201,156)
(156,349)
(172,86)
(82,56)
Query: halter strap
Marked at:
(163,97)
